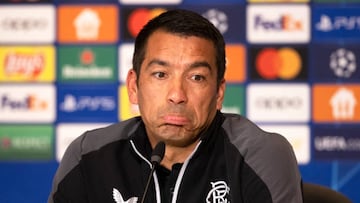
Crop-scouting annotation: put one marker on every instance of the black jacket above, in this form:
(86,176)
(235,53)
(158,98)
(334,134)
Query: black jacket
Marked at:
(235,162)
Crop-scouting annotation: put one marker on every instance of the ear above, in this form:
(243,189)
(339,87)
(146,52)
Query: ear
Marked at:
(220,94)
(131,85)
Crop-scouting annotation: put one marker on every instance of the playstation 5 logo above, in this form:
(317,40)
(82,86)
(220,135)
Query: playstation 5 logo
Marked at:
(346,23)
(324,24)
(72,103)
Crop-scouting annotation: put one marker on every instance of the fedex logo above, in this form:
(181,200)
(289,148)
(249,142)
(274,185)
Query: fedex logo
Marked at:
(30,102)
(284,22)
(276,24)
(27,103)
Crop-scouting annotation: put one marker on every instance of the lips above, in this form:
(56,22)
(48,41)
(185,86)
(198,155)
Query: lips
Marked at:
(175,120)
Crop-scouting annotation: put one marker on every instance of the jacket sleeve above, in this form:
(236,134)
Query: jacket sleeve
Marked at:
(270,161)
(68,183)
(275,163)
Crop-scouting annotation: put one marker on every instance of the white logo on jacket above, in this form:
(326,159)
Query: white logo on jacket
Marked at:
(218,193)
(119,199)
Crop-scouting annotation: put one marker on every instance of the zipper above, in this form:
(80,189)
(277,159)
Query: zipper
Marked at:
(179,178)
(181,174)
(156,181)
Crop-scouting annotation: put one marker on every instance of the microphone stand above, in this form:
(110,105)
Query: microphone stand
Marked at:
(156,157)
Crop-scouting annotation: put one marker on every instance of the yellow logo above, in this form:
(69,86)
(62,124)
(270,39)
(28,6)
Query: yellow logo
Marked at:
(27,64)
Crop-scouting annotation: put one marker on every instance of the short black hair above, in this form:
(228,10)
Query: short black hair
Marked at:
(185,23)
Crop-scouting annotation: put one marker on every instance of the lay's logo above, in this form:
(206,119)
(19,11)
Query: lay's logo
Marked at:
(336,103)
(27,64)
(23,64)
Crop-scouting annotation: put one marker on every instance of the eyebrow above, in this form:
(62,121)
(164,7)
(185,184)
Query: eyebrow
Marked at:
(200,64)
(192,65)
(157,62)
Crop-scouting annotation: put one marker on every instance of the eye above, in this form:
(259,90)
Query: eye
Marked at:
(159,75)
(198,78)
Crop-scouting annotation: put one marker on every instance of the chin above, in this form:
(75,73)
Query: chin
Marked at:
(179,141)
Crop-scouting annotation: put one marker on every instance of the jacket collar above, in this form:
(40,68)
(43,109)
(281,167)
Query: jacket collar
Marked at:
(143,145)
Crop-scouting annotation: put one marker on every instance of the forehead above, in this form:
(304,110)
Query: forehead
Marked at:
(164,43)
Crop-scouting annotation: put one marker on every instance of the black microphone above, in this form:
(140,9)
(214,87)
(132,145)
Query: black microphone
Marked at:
(156,156)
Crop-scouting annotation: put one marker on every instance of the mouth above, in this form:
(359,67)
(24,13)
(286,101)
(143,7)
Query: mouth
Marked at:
(176,120)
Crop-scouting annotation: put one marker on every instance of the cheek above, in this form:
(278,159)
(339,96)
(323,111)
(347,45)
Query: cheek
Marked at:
(148,100)
(204,104)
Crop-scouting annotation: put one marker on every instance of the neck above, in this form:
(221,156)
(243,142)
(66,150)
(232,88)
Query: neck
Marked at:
(174,154)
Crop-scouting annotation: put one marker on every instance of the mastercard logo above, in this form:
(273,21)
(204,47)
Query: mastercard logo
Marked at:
(139,17)
(283,63)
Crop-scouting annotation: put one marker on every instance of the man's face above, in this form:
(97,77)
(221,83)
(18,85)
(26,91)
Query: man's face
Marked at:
(177,89)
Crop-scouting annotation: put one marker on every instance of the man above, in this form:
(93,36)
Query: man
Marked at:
(178,82)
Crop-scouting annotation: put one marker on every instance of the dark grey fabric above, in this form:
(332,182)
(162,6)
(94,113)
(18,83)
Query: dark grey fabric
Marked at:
(266,153)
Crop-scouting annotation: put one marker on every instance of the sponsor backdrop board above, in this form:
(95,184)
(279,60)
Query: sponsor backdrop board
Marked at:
(292,67)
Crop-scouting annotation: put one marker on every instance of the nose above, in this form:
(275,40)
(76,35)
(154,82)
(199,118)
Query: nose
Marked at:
(177,92)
